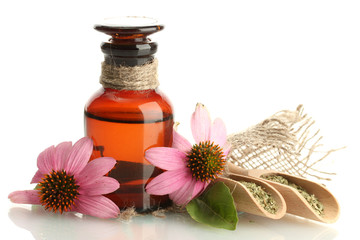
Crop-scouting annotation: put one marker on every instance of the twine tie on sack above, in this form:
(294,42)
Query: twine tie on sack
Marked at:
(141,77)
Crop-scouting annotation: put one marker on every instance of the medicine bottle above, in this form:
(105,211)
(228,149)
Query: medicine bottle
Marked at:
(129,114)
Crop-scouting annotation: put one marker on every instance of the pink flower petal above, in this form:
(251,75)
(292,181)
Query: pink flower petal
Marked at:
(45,161)
(168,182)
(95,169)
(25,197)
(166,158)
(226,148)
(37,177)
(62,152)
(100,186)
(79,156)
(180,142)
(184,194)
(97,206)
(199,187)
(218,132)
(201,124)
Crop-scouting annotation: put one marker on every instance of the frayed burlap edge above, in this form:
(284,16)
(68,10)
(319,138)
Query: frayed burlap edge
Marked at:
(284,142)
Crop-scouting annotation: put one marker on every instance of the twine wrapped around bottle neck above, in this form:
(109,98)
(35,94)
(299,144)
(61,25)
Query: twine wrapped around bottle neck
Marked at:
(142,77)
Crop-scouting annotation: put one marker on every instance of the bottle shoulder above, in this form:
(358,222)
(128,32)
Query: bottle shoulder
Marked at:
(147,105)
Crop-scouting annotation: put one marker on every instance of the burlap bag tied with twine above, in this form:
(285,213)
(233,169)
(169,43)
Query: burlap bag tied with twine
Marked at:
(283,142)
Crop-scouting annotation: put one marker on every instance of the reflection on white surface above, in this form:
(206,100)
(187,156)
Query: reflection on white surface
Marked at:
(48,226)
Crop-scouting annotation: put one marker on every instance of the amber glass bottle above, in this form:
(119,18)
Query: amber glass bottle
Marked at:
(125,123)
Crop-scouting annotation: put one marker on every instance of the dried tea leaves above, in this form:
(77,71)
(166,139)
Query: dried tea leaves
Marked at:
(310,198)
(264,198)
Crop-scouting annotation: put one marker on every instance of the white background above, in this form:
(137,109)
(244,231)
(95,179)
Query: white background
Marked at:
(245,60)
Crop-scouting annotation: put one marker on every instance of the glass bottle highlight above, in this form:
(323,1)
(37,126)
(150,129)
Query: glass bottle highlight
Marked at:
(129,114)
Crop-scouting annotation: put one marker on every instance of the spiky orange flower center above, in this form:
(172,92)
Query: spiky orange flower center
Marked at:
(206,161)
(58,191)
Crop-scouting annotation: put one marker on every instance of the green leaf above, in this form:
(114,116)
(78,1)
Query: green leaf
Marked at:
(215,207)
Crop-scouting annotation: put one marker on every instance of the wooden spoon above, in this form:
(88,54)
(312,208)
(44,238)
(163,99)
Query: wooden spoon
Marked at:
(295,202)
(245,201)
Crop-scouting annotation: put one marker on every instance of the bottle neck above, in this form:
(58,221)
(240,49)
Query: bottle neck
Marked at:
(129,54)
(130,64)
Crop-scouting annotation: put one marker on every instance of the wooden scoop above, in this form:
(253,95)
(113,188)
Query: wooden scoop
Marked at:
(295,202)
(244,200)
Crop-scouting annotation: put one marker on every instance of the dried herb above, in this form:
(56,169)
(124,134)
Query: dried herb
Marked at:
(310,198)
(264,198)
